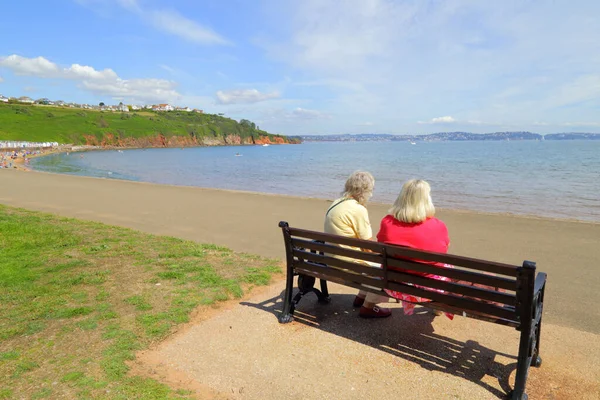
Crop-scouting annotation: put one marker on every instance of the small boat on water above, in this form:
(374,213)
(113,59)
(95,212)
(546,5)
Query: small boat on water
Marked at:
(266,145)
(412,143)
(238,155)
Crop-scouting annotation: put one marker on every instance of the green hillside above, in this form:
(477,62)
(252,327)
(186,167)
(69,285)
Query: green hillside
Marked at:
(79,126)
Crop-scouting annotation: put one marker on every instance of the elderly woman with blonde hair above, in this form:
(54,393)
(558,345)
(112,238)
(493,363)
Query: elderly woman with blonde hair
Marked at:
(348,216)
(411,222)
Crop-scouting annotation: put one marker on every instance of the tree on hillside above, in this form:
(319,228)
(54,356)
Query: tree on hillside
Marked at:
(101,104)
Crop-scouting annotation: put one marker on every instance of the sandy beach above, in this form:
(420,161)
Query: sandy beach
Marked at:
(567,250)
(427,358)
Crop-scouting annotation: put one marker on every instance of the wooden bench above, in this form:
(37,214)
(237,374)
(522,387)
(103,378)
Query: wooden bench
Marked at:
(507,294)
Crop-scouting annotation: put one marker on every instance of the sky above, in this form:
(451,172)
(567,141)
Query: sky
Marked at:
(318,67)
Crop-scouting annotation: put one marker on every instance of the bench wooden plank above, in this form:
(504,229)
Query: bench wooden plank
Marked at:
(338,263)
(403,277)
(406,252)
(325,237)
(465,262)
(464,303)
(337,250)
(456,301)
(322,274)
(483,317)
(455,273)
(343,275)
(456,288)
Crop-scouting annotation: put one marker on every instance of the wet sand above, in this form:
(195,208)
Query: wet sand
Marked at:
(568,251)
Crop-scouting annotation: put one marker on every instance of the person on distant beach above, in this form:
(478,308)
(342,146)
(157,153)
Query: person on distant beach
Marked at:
(411,223)
(348,216)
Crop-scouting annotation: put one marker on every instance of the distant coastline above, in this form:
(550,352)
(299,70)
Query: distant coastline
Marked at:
(450,136)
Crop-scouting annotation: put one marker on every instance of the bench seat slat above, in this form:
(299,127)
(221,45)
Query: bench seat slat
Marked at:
(406,252)
(456,288)
(338,263)
(455,273)
(337,250)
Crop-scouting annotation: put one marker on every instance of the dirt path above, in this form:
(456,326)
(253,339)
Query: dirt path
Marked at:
(330,353)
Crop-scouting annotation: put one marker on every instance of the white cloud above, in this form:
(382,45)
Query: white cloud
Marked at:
(104,82)
(168,21)
(178,25)
(439,120)
(167,68)
(417,58)
(244,96)
(38,66)
(151,90)
(303,113)
(277,115)
(581,124)
(77,71)
(443,120)
(43,68)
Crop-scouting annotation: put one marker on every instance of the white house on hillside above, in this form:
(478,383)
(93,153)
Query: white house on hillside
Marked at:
(163,107)
(25,99)
(3,99)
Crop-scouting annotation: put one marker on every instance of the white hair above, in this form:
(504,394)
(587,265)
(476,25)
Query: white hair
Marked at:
(413,204)
(359,186)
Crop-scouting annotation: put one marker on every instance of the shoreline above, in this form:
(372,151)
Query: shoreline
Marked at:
(374,203)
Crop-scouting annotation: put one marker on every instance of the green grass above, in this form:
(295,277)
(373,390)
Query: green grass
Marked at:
(78,299)
(78,126)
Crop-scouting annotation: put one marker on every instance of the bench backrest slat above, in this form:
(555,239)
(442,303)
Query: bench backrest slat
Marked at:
(338,263)
(405,277)
(466,262)
(343,275)
(337,250)
(456,301)
(406,252)
(357,281)
(455,288)
(455,273)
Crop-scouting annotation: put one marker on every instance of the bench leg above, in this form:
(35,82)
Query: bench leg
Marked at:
(536,360)
(287,314)
(523,362)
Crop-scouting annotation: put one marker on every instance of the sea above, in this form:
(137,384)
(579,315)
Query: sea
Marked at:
(558,179)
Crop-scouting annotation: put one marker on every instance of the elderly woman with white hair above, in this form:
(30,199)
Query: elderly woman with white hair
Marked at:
(411,222)
(348,216)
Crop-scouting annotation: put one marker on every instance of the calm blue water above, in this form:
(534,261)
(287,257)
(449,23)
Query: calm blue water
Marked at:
(549,178)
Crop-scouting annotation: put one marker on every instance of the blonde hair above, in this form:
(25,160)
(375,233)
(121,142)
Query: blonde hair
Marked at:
(413,204)
(359,186)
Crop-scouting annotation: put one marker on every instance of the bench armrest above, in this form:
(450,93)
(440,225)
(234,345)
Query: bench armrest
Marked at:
(540,282)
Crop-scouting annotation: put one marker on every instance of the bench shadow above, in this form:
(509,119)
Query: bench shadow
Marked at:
(409,337)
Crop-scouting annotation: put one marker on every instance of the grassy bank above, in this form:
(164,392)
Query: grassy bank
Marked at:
(37,123)
(79,298)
